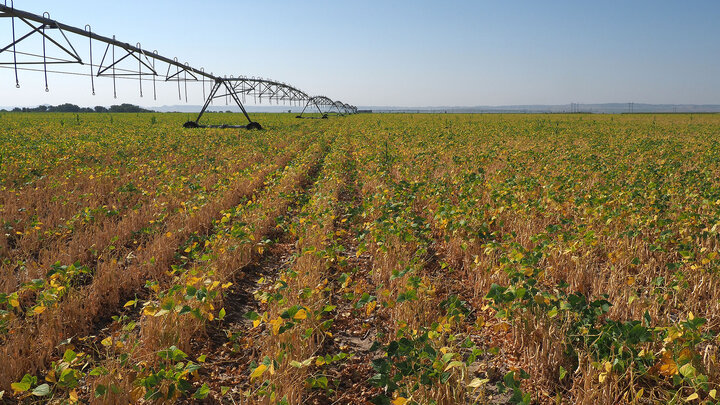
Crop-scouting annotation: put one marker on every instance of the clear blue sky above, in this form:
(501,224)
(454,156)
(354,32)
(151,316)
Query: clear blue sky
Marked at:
(410,53)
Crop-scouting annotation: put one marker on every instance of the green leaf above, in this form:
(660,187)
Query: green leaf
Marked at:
(202,392)
(687,370)
(98,371)
(100,390)
(563,372)
(221,314)
(69,356)
(20,386)
(41,390)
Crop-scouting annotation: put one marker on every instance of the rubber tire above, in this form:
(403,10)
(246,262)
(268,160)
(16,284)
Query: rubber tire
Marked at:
(253,125)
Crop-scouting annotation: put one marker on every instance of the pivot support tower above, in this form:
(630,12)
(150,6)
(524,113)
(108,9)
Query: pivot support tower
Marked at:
(121,60)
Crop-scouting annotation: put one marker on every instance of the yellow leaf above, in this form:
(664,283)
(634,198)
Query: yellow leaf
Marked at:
(370,307)
(602,377)
(50,377)
(668,367)
(39,309)
(256,323)
(686,355)
(639,394)
(301,314)
(14,302)
(631,280)
(712,393)
(107,341)
(692,397)
(149,311)
(129,303)
(226,285)
(276,324)
(19,387)
(673,334)
(454,364)
(169,234)
(501,327)
(73,396)
(399,401)
(258,371)
(477,383)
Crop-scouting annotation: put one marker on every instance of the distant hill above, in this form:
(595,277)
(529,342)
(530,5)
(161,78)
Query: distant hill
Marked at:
(606,108)
(72,108)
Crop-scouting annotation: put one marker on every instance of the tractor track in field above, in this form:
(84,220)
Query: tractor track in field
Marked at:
(231,341)
(353,331)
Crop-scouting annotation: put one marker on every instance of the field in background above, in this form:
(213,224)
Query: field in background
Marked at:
(387,258)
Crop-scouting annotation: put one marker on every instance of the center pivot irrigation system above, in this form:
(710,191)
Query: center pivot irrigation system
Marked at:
(136,63)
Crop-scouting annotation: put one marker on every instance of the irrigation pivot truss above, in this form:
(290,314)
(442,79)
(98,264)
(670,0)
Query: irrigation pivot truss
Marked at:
(123,61)
(326,107)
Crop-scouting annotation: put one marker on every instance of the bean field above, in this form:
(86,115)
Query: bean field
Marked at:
(374,258)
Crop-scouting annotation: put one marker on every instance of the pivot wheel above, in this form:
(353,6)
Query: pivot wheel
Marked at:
(253,125)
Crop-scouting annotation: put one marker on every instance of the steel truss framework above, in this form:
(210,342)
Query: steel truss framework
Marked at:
(326,107)
(121,60)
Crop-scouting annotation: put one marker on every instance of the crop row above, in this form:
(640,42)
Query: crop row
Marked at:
(72,297)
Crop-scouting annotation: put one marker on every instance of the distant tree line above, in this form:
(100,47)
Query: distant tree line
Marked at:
(72,108)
